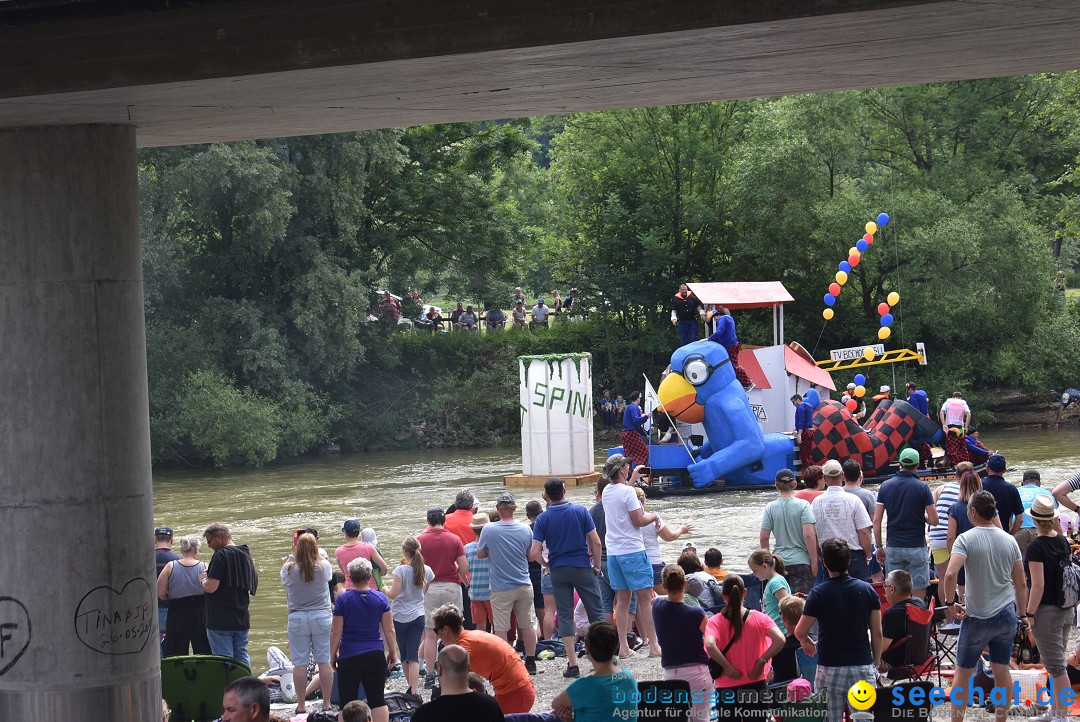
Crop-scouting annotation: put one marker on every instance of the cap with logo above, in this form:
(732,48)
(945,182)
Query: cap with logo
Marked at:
(351,527)
(163,531)
(506,499)
(785,475)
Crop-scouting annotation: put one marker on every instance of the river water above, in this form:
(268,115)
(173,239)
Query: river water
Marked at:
(391,491)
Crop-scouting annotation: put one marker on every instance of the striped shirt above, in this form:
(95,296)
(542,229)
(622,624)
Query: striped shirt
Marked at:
(479,576)
(950,494)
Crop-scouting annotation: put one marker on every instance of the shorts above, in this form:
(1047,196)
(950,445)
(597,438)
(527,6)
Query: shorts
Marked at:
(1024,537)
(409,635)
(535,573)
(913,560)
(481,614)
(799,578)
(309,633)
(657,575)
(516,601)
(438,594)
(996,633)
(630,571)
(941,556)
(545,584)
(607,594)
(516,701)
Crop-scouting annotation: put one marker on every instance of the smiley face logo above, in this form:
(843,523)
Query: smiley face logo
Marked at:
(862,696)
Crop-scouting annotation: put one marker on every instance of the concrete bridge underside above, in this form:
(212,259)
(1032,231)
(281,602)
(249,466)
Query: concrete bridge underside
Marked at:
(84,82)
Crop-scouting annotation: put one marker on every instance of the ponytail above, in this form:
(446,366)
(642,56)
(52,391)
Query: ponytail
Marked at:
(765,558)
(411,547)
(734,590)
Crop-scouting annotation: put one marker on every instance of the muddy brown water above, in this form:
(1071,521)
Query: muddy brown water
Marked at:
(391,491)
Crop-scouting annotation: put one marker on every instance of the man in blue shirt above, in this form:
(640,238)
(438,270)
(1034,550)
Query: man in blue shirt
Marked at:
(1010,506)
(1030,488)
(506,544)
(804,430)
(571,538)
(725,336)
(907,500)
(918,398)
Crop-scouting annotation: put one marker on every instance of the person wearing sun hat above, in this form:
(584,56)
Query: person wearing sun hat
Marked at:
(479,577)
(910,505)
(1044,560)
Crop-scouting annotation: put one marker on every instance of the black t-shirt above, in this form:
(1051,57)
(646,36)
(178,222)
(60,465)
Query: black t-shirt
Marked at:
(842,607)
(473,706)
(785,665)
(1051,551)
(227,608)
(894,626)
(161,558)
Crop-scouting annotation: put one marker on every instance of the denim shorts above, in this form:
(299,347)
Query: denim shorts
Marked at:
(545,585)
(309,632)
(996,633)
(607,594)
(913,560)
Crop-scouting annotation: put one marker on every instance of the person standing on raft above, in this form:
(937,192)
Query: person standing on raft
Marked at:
(725,336)
(804,430)
(955,417)
(633,436)
(685,310)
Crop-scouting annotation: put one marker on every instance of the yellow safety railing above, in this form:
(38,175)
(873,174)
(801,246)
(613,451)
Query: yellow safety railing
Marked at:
(889,357)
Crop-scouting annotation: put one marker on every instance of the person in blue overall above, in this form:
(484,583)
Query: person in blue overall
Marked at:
(725,336)
(918,398)
(633,436)
(685,310)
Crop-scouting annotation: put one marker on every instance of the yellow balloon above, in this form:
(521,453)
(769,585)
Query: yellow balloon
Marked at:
(893,298)
(869,354)
(853,251)
(841,277)
(860,391)
(884,332)
(828,314)
(871,228)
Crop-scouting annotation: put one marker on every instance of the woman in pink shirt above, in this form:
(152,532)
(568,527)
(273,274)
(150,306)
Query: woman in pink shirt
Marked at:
(353,548)
(742,642)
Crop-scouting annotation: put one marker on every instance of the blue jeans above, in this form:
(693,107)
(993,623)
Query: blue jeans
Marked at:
(687,332)
(230,643)
(996,633)
(162,617)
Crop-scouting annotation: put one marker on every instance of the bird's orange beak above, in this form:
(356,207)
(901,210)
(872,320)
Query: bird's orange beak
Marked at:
(679,398)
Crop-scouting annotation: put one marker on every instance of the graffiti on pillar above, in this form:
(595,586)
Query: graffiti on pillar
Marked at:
(117,622)
(14,632)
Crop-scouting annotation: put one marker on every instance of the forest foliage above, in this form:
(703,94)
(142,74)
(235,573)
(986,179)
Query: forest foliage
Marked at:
(262,258)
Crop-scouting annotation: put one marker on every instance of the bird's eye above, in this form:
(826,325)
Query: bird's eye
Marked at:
(696,372)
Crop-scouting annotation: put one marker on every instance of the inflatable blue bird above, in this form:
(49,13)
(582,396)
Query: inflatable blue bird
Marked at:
(702,388)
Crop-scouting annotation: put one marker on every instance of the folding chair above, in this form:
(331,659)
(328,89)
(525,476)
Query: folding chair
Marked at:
(919,660)
(879,587)
(667,699)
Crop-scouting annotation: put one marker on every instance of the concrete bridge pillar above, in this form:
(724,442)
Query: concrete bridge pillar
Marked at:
(78,625)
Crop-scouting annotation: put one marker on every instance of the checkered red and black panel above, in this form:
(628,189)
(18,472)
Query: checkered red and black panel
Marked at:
(839,436)
(876,415)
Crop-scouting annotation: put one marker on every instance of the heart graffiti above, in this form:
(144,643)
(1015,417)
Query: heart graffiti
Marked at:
(117,622)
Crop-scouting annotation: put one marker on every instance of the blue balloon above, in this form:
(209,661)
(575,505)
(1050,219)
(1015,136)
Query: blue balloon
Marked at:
(829,299)
(845,266)
(887,320)
(862,245)
(860,380)
(882,219)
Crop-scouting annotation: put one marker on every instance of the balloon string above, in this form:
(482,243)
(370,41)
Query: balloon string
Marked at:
(820,334)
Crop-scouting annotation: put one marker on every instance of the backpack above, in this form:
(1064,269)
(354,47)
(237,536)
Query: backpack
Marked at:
(402,705)
(1070,582)
(711,598)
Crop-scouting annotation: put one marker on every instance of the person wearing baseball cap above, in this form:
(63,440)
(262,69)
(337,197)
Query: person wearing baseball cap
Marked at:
(1009,504)
(505,544)
(1030,490)
(792,522)
(163,554)
(910,505)
(1071,396)
(840,515)
(353,548)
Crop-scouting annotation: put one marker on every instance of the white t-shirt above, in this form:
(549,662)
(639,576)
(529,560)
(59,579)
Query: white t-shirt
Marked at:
(649,537)
(955,411)
(540,313)
(410,603)
(622,536)
(839,515)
